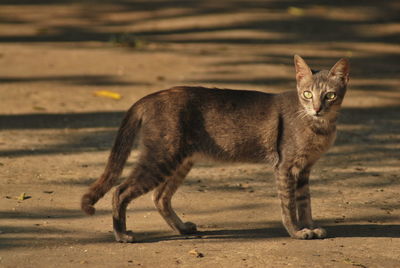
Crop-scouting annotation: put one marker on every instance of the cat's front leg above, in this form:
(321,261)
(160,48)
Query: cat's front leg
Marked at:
(303,200)
(303,203)
(287,194)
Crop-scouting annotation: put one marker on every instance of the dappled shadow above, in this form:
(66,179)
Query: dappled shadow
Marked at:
(56,237)
(85,80)
(94,141)
(49,214)
(378,71)
(337,25)
(249,81)
(61,121)
(312,25)
(227,234)
(345,230)
(105,125)
(97,140)
(316,23)
(46,236)
(372,125)
(364,230)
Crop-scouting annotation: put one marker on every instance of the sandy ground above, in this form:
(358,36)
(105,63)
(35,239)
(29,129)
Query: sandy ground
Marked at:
(55,134)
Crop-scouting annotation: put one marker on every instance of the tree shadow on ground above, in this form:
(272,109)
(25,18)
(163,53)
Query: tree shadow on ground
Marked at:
(61,121)
(45,234)
(50,236)
(339,231)
(317,23)
(313,24)
(85,80)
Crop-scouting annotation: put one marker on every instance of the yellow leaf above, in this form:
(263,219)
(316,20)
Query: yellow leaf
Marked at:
(22,197)
(295,11)
(108,94)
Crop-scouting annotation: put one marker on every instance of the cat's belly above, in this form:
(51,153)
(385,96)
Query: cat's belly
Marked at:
(251,151)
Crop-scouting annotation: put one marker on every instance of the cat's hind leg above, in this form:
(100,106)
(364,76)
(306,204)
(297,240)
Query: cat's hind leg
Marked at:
(143,179)
(162,199)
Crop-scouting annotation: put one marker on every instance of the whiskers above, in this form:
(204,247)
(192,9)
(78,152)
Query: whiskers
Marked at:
(325,118)
(302,114)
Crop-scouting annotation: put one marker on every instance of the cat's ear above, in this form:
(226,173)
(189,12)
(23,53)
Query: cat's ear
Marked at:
(302,69)
(341,70)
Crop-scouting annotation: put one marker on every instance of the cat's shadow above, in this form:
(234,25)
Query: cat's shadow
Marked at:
(336,231)
(364,230)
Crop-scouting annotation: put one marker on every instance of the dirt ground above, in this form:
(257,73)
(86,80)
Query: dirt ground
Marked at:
(55,133)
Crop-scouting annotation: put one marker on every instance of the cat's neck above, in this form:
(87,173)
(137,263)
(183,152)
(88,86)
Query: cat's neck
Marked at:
(323,126)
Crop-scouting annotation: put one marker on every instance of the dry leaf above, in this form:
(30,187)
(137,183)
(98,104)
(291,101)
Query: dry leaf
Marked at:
(349,261)
(108,94)
(194,252)
(39,108)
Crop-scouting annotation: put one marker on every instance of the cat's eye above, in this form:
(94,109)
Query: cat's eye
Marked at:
(330,95)
(307,94)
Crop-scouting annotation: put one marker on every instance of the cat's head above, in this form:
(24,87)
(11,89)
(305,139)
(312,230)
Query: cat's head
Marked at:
(321,93)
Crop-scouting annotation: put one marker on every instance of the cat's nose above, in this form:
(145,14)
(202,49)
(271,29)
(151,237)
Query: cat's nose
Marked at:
(317,110)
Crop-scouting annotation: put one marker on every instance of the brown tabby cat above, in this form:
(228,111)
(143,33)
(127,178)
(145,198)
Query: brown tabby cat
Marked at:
(290,131)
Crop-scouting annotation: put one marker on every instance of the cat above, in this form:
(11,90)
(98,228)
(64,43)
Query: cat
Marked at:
(173,127)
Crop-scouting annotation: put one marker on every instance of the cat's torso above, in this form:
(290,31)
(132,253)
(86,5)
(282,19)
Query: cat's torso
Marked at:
(234,125)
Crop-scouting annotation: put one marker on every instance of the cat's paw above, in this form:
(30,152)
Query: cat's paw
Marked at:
(316,233)
(189,228)
(126,237)
(304,234)
(319,232)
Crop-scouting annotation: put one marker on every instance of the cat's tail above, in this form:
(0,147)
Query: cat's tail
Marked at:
(116,161)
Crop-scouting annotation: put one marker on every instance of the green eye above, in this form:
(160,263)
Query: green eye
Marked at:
(330,95)
(307,94)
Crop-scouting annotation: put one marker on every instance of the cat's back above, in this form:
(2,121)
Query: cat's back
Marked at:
(203,98)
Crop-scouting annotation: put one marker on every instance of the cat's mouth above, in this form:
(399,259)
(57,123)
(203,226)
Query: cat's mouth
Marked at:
(320,117)
(317,115)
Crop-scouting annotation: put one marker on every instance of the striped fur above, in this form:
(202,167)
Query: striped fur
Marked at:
(173,126)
